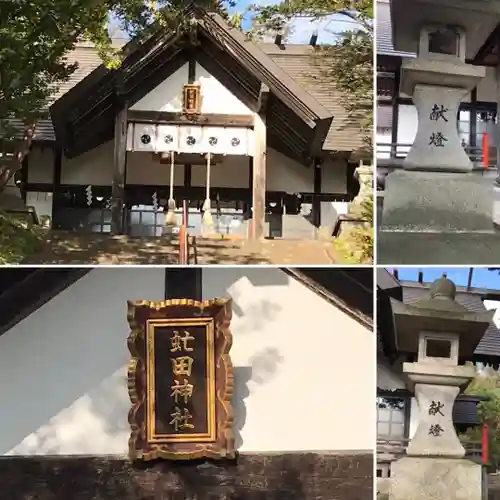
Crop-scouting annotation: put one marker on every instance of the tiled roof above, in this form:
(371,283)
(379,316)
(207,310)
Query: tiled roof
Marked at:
(88,59)
(384,31)
(490,343)
(297,61)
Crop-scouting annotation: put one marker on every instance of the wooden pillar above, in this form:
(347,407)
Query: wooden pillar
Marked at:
(395,114)
(56,187)
(317,186)
(473,119)
(119,166)
(259,177)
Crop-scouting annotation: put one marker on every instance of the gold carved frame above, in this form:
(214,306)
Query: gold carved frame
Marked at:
(143,318)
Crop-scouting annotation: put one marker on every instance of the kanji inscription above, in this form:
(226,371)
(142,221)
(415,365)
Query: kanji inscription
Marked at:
(180,380)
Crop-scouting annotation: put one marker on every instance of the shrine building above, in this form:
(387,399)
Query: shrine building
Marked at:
(210,120)
(84,394)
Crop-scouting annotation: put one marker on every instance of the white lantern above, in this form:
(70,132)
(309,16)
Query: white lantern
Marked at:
(144,137)
(167,138)
(214,140)
(236,141)
(191,139)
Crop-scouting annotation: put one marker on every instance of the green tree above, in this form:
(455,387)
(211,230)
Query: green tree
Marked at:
(36,36)
(487,384)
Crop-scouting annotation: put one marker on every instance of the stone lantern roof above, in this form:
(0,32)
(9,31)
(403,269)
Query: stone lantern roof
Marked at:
(438,312)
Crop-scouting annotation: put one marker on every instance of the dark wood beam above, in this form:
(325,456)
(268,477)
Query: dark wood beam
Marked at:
(172,118)
(487,48)
(119,168)
(317,181)
(32,291)
(263,99)
(319,136)
(184,283)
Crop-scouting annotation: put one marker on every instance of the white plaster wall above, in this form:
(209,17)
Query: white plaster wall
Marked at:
(487,87)
(64,367)
(94,167)
(388,380)
(283,174)
(232,171)
(215,98)
(333,177)
(42,202)
(167,96)
(146,169)
(41,165)
(407,127)
(414,417)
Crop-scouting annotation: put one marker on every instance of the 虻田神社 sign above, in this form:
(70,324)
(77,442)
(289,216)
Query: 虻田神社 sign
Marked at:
(180,379)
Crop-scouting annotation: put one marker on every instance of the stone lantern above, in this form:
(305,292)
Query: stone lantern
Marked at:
(437,172)
(439,332)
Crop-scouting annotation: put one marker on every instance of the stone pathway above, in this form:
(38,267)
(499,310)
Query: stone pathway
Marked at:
(74,249)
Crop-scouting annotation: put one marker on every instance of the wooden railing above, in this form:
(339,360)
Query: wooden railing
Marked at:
(483,156)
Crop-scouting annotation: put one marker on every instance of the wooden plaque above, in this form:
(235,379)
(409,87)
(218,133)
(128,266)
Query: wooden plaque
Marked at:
(180,380)
(192,99)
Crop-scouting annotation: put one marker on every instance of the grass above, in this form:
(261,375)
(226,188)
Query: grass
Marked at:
(18,239)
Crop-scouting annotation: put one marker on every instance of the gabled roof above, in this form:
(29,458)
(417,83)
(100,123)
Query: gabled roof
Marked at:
(350,290)
(84,117)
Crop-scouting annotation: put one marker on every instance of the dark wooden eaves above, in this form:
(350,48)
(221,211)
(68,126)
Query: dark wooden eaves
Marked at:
(298,124)
(350,290)
(24,290)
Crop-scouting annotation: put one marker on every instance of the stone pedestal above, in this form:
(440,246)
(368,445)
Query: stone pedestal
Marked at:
(418,478)
(437,146)
(433,202)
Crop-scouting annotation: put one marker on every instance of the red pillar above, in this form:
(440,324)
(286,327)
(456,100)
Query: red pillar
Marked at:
(484,444)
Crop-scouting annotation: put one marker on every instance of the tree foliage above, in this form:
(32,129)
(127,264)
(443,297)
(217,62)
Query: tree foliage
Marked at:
(18,238)
(356,246)
(487,384)
(35,38)
(348,63)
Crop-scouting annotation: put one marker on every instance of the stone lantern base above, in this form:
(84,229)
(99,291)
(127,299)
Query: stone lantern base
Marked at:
(417,478)
(436,202)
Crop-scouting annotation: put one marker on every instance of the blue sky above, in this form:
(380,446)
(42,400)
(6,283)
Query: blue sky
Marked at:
(302,28)
(328,28)
(481,277)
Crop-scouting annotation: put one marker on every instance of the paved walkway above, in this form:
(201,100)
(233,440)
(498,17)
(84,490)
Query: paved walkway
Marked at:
(73,249)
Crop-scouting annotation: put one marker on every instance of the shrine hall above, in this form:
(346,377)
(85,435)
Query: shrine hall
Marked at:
(208,124)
